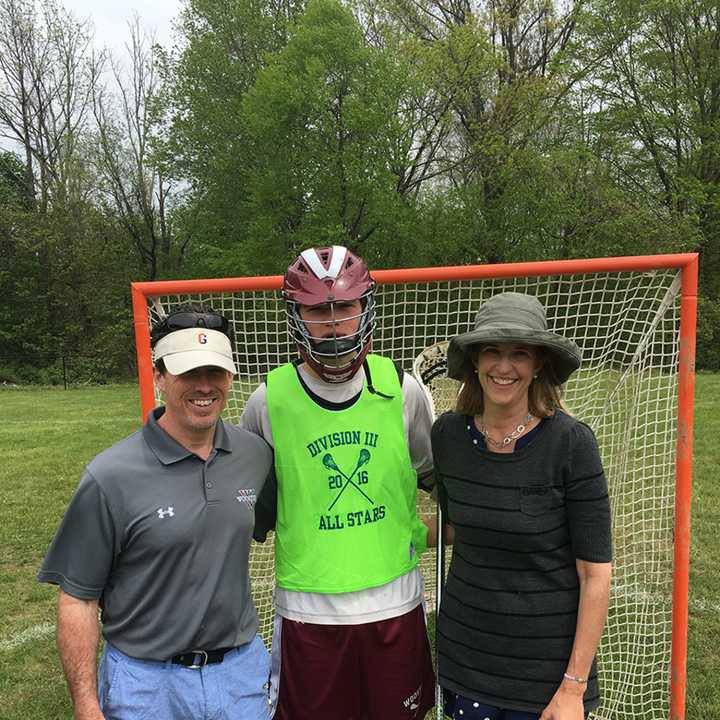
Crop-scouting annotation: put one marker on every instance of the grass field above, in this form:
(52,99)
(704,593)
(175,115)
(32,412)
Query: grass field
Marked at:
(49,434)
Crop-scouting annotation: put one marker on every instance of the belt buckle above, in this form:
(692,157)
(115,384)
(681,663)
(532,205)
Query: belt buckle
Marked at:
(204,657)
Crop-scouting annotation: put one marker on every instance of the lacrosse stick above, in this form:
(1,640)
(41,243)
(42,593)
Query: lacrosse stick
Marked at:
(330,464)
(430,370)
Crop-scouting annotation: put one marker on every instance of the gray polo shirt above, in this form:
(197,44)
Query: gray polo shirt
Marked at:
(162,538)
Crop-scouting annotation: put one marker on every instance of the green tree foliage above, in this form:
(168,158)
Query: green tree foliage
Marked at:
(130,178)
(523,156)
(418,132)
(225,45)
(65,264)
(81,312)
(322,123)
(655,121)
(13,197)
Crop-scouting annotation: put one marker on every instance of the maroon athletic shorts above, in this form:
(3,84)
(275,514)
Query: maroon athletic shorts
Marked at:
(374,671)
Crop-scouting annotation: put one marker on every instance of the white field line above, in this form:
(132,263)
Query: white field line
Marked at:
(34,632)
(701,605)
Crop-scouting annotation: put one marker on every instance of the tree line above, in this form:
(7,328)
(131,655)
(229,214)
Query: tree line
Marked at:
(417,132)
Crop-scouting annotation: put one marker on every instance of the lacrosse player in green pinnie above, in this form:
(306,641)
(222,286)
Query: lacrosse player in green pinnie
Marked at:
(351,434)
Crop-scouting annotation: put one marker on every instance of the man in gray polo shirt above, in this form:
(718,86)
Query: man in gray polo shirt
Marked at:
(157,536)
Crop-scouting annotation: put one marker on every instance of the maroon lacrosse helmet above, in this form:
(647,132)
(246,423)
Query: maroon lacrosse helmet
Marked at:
(328,275)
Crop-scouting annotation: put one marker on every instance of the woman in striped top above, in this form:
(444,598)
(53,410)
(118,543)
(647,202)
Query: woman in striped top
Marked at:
(522,484)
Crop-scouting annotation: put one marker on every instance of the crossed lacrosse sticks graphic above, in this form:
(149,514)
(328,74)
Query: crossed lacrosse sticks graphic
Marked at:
(330,464)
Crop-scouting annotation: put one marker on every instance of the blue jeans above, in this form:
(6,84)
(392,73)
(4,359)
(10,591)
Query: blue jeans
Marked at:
(235,689)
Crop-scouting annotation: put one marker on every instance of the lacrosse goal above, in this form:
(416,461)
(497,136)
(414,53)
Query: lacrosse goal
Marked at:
(634,320)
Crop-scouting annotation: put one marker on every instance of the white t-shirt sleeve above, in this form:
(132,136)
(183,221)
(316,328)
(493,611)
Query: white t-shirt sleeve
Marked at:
(418,419)
(255,417)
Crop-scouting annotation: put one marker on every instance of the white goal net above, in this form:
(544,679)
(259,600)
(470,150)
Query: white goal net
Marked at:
(627,326)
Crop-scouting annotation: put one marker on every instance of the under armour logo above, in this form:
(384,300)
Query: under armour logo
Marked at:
(162,514)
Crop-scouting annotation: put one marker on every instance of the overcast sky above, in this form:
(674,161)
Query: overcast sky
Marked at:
(110,19)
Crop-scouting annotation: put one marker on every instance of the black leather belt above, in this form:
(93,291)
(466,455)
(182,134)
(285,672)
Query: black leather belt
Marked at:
(195,659)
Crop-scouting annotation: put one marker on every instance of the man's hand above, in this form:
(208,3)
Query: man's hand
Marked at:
(91,713)
(566,703)
(431,523)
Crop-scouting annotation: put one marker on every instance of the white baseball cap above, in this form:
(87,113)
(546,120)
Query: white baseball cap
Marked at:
(190,348)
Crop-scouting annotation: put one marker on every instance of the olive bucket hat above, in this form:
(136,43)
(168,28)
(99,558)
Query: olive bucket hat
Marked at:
(513,318)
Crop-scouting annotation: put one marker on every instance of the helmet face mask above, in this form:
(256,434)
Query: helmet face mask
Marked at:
(323,282)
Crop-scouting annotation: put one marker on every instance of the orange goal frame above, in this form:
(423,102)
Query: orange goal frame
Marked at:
(687,263)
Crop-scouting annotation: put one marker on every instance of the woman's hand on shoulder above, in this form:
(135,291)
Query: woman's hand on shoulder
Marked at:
(566,703)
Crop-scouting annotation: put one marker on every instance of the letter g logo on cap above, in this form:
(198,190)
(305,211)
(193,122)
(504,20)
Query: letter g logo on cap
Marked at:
(202,338)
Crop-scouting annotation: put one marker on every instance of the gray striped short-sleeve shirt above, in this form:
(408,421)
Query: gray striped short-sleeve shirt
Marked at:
(509,610)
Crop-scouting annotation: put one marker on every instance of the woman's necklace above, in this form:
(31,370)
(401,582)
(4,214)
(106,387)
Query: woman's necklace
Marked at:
(516,433)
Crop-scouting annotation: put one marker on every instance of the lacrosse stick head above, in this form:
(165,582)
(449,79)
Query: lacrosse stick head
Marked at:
(329,463)
(364,457)
(430,370)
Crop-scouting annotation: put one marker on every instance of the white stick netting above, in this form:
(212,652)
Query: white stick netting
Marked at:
(627,326)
